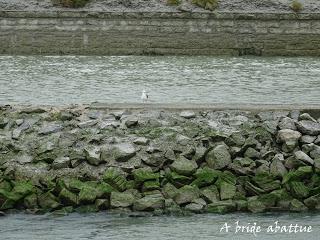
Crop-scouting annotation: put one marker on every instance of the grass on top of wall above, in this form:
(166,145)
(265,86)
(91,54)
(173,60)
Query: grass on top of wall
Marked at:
(296,6)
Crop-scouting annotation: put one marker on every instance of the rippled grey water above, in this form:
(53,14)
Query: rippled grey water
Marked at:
(62,80)
(105,226)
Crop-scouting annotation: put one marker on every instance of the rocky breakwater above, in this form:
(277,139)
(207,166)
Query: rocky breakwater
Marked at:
(173,162)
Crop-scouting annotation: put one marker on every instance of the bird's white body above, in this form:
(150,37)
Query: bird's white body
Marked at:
(144,96)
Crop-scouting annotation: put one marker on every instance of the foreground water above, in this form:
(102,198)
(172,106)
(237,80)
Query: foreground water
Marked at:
(61,80)
(111,226)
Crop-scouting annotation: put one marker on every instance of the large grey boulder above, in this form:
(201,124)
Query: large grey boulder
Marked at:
(287,123)
(149,203)
(61,162)
(155,159)
(50,128)
(297,206)
(121,152)
(187,114)
(186,194)
(121,199)
(131,122)
(308,127)
(219,157)
(304,157)
(18,131)
(86,124)
(277,168)
(93,155)
(292,163)
(317,141)
(169,190)
(307,139)
(306,116)
(196,206)
(184,166)
(3,122)
(210,194)
(315,152)
(227,190)
(24,158)
(289,138)
(252,153)
(141,141)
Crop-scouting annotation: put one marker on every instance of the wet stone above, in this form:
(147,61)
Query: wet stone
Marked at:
(141,141)
(219,157)
(187,114)
(307,139)
(309,127)
(287,123)
(306,116)
(61,162)
(89,123)
(131,122)
(303,157)
(50,128)
(93,155)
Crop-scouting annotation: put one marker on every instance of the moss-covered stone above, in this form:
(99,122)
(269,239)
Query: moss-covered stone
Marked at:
(31,201)
(5,185)
(103,190)
(242,205)
(149,203)
(219,157)
(22,189)
(121,199)
(186,194)
(150,185)
(266,182)
(73,185)
(222,207)
(313,202)
(227,190)
(269,200)
(252,189)
(102,204)
(299,190)
(116,178)
(210,194)
(256,206)
(87,209)
(48,201)
(205,176)
(184,166)
(169,191)
(177,179)
(68,198)
(87,195)
(297,206)
(144,174)
(299,174)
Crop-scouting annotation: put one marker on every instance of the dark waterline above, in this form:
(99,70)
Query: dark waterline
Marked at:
(60,80)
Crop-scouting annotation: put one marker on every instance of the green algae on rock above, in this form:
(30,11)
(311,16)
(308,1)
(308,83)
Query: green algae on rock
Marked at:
(188,162)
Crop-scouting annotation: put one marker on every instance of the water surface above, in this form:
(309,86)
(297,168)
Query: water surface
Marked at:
(60,80)
(109,226)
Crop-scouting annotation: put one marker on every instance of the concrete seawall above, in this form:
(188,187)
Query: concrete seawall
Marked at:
(167,33)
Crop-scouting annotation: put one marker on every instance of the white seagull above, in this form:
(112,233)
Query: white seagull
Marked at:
(144,96)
